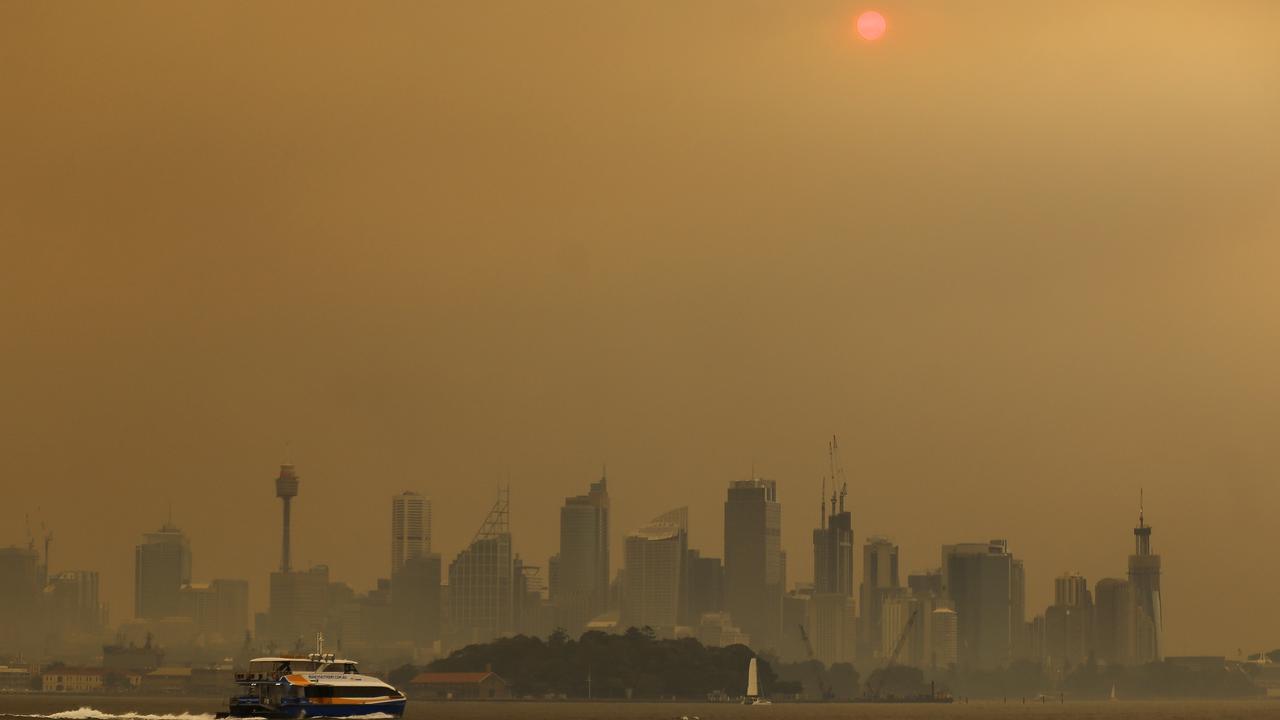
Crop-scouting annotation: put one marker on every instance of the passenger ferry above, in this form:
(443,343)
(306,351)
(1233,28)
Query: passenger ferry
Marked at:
(318,685)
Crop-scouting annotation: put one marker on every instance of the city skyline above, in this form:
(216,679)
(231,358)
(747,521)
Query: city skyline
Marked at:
(170,535)
(1017,256)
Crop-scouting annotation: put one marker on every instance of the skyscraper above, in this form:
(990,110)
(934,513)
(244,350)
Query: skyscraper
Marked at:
(480,581)
(410,528)
(162,565)
(655,575)
(977,578)
(415,599)
(581,588)
(19,599)
(298,604)
(705,585)
(753,559)
(1144,578)
(832,613)
(879,579)
(72,605)
(833,549)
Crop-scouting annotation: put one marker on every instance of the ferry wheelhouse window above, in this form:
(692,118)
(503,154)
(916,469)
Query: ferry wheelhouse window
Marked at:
(329,691)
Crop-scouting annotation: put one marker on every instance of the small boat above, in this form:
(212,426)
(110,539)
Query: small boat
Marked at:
(317,685)
(753,687)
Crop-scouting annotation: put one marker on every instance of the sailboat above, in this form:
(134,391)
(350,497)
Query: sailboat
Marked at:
(1113,692)
(753,687)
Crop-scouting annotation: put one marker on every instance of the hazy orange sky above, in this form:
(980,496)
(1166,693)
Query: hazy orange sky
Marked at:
(1021,257)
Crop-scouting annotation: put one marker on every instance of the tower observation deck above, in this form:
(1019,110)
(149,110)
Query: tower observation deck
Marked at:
(286,490)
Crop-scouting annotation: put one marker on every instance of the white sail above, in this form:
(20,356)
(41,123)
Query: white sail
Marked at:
(753,683)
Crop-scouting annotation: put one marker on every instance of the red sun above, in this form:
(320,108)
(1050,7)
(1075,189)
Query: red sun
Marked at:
(871,25)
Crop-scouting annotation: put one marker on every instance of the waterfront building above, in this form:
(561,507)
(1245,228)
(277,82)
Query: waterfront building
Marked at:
(753,560)
(410,528)
(162,565)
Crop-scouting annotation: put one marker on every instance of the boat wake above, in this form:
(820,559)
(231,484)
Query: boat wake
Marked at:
(95,714)
(89,713)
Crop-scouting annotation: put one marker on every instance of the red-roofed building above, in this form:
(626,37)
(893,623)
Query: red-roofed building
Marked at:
(459,686)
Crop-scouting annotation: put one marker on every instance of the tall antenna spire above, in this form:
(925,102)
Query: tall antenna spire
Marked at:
(1141,519)
(822,506)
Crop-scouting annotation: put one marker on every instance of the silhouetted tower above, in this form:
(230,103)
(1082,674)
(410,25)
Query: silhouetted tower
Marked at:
(286,490)
(1144,577)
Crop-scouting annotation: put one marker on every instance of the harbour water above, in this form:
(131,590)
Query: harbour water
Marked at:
(44,707)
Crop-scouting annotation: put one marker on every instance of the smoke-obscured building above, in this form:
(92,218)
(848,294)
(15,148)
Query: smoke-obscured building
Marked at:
(581,587)
(1115,639)
(1144,579)
(753,560)
(1068,623)
(704,587)
(416,599)
(410,528)
(978,580)
(162,565)
(655,575)
(480,582)
(879,580)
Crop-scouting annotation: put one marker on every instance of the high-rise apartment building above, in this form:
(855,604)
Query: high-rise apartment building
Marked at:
(655,575)
(162,565)
(581,587)
(753,560)
(410,528)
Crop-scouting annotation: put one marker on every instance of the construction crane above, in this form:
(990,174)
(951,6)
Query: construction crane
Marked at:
(874,692)
(817,672)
